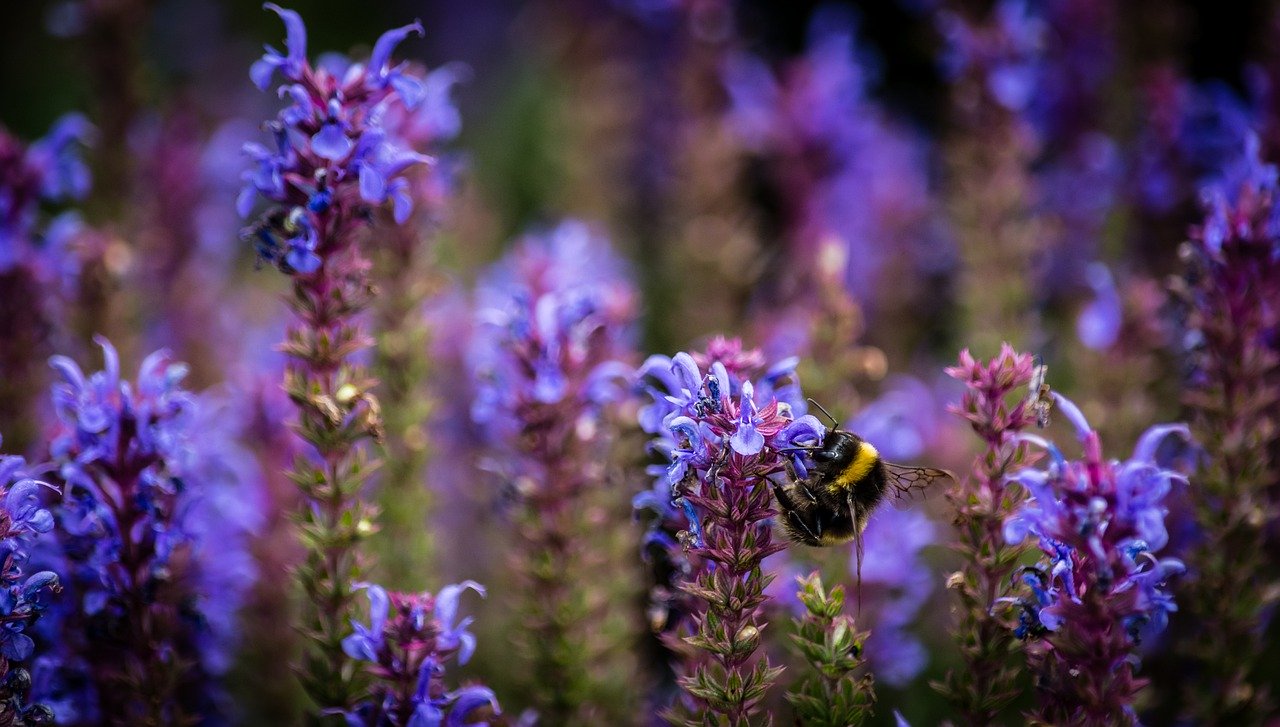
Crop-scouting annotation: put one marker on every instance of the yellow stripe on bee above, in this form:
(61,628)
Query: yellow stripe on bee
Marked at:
(860,467)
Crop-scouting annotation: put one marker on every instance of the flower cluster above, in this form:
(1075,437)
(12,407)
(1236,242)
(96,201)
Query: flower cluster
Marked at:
(983,501)
(847,175)
(50,170)
(23,595)
(150,484)
(408,640)
(550,350)
(727,427)
(1099,588)
(342,147)
(1232,339)
(333,153)
(554,327)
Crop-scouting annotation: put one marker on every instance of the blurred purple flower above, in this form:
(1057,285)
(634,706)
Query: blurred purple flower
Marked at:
(23,594)
(1098,324)
(848,174)
(554,325)
(155,518)
(49,170)
(896,582)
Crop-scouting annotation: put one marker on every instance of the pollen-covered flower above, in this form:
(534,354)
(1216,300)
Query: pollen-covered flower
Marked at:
(1100,588)
(408,640)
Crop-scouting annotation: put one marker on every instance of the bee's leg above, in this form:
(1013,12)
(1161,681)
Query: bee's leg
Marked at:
(795,479)
(795,518)
(792,510)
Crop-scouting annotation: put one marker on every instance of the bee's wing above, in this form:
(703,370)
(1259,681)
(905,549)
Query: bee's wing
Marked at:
(912,484)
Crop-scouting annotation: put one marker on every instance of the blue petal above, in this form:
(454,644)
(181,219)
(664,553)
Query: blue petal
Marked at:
(467,700)
(331,142)
(373,184)
(263,68)
(17,646)
(746,440)
(386,43)
(447,601)
(1073,414)
(295,36)
(1098,325)
(1149,442)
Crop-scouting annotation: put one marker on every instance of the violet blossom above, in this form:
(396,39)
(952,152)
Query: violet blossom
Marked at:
(407,641)
(331,161)
(1100,588)
(551,351)
(728,427)
(1231,349)
(153,539)
(24,591)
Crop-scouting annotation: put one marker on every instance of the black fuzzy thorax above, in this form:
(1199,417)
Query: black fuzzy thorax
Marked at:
(818,511)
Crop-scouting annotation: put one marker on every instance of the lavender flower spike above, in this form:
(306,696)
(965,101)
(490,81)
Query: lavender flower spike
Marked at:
(23,595)
(1229,293)
(1100,589)
(551,353)
(407,642)
(334,158)
(728,440)
(148,479)
(983,501)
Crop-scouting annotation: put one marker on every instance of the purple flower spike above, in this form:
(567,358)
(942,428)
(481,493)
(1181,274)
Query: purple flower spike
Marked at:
(151,523)
(351,138)
(712,511)
(1098,591)
(554,324)
(409,638)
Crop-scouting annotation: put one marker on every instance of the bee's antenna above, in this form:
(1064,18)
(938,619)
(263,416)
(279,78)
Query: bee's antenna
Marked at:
(823,409)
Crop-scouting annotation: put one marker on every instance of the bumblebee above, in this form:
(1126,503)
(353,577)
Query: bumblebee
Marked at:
(848,481)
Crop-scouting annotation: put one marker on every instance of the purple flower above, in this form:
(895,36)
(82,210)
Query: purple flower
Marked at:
(851,178)
(407,642)
(725,438)
(23,594)
(1098,523)
(48,171)
(349,140)
(1098,324)
(153,481)
(553,321)
(550,353)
